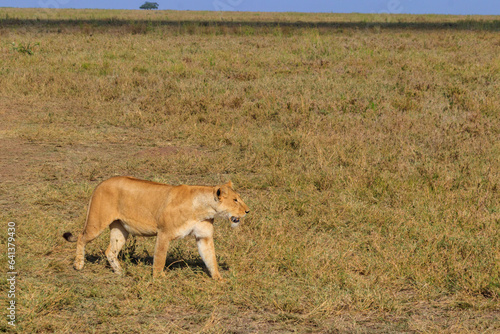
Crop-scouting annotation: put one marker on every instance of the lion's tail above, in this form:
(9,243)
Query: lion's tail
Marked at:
(69,237)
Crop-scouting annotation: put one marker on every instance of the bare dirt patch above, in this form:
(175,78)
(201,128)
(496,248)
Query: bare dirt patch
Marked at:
(17,156)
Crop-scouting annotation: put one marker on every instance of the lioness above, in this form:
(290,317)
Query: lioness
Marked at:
(129,205)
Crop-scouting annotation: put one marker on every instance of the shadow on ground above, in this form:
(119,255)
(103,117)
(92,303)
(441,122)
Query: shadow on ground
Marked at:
(172,263)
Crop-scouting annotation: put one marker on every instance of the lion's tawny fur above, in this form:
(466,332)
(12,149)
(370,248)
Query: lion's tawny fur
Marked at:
(131,206)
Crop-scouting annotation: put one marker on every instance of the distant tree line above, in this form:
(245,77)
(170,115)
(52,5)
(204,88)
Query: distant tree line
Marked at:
(149,5)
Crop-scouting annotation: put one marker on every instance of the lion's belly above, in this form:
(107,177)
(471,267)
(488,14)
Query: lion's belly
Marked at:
(145,230)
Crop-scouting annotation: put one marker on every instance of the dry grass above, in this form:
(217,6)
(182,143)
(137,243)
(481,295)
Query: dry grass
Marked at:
(366,146)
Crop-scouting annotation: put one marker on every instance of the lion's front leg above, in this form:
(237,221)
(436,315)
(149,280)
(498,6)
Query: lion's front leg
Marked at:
(207,252)
(161,249)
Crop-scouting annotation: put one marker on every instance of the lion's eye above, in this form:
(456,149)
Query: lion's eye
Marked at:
(236,200)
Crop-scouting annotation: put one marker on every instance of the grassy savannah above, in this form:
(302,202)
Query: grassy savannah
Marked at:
(367,147)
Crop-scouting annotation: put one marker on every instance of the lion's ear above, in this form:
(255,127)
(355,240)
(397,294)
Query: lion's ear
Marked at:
(222,190)
(218,192)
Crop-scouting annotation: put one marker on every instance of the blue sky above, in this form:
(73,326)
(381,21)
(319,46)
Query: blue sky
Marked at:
(463,7)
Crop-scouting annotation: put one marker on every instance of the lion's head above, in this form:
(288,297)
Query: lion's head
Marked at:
(230,203)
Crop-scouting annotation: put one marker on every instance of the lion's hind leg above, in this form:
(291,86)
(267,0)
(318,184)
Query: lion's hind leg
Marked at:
(118,236)
(93,228)
(83,239)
